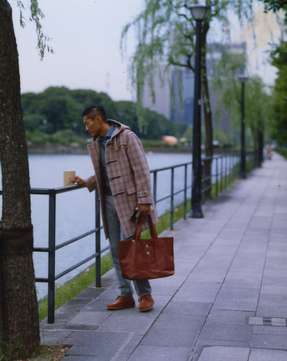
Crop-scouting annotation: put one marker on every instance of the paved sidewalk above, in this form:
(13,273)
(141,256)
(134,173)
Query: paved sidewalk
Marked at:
(227,302)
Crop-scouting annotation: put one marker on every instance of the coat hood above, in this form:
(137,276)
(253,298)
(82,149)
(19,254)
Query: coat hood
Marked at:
(119,127)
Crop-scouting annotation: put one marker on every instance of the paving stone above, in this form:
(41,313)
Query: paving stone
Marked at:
(268,355)
(221,353)
(198,292)
(182,336)
(280,322)
(268,341)
(165,290)
(52,337)
(124,353)
(152,353)
(86,319)
(175,321)
(91,292)
(128,322)
(80,358)
(274,289)
(272,309)
(256,321)
(230,332)
(203,342)
(237,280)
(237,298)
(229,316)
(103,345)
(195,309)
(98,305)
(270,330)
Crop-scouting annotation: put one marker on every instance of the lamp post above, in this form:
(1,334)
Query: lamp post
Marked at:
(243,78)
(198,12)
(260,144)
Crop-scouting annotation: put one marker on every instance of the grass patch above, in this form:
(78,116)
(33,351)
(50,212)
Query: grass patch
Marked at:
(73,287)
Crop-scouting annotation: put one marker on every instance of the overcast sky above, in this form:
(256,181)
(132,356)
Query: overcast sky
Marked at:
(85,36)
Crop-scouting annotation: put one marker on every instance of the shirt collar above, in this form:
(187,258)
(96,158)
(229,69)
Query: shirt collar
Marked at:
(108,134)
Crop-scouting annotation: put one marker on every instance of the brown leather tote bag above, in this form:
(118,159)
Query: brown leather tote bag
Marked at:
(146,258)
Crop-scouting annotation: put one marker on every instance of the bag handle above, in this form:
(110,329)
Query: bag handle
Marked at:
(140,223)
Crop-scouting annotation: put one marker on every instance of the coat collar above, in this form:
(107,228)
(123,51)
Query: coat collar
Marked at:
(119,127)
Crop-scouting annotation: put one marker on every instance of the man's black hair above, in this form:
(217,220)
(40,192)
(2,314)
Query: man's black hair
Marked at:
(95,110)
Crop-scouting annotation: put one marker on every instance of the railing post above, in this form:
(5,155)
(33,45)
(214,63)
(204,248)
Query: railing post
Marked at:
(98,241)
(203,179)
(238,164)
(229,168)
(216,177)
(185,191)
(155,187)
(172,199)
(225,171)
(51,257)
(221,173)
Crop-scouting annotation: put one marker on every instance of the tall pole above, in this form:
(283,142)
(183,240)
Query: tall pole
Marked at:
(196,144)
(260,140)
(242,135)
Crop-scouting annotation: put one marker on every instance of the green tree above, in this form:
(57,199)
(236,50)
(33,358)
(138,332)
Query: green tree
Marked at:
(275,5)
(58,109)
(258,102)
(166,37)
(19,321)
(279,126)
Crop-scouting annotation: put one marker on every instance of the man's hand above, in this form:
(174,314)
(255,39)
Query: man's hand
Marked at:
(144,208)
(80,181)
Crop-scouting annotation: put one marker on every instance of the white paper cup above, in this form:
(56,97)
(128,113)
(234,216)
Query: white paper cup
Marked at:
(69,176)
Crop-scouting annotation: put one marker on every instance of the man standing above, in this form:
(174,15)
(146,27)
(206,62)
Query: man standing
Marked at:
(122,179)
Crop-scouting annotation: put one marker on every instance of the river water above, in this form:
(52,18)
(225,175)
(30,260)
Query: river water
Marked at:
(75,210)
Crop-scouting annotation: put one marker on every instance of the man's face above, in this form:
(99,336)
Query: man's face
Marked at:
(93,125)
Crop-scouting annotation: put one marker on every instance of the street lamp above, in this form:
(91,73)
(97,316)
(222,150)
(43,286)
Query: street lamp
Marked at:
(199,13)
(242,78)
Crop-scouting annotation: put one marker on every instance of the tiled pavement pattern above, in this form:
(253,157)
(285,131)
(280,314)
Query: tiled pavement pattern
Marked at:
(231,271)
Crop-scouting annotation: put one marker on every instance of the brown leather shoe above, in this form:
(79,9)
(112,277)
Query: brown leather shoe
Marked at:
(146,303)
(121,303)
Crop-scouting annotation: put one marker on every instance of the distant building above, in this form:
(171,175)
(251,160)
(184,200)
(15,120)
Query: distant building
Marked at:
(216,50)
(174,97)
(182,84)
(261,35)
(162,101)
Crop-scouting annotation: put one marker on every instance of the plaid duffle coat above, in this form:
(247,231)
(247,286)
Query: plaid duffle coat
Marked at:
(128,174)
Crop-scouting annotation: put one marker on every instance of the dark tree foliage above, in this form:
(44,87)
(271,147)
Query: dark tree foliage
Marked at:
(276,5)
(59,109)
(279,60)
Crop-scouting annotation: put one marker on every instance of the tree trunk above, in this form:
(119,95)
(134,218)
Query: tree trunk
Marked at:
(254,134)
(260,142)
(207,168)
(19,308)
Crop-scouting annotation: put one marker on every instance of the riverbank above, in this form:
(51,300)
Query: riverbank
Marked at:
(48,148)
(154,146)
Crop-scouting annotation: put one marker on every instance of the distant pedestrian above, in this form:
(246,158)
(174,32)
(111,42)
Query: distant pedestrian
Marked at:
(122,179)
(269,151)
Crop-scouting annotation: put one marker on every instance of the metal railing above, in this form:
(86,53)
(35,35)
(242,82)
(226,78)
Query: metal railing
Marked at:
(222,167)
